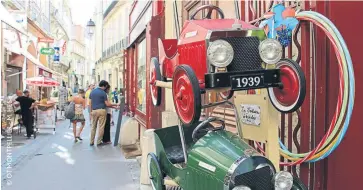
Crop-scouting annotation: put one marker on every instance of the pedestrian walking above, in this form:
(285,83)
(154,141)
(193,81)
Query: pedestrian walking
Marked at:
(115,96)
(98,104)
(88,92)
(79,106)
(26,105)
(62,97)
(107,132)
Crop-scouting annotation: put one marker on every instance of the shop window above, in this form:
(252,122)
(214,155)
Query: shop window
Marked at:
(141,76)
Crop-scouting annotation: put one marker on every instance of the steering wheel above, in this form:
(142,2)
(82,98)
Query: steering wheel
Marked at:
(199,129)
(209,14)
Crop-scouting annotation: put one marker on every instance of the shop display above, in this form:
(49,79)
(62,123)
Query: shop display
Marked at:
(46,112)
(225,55)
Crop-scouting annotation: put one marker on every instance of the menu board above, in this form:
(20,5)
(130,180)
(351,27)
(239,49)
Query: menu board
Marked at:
(46,118)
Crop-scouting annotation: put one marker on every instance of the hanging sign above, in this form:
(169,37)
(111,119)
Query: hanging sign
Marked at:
(44,73)
(45,40)
(56,54)
(47,51)
(251,114)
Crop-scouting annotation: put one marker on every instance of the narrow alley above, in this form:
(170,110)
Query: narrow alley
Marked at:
(56,162)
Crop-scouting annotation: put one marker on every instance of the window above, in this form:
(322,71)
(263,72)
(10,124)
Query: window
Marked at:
(141,76)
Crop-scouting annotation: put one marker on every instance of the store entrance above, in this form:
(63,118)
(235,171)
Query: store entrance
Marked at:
(13,79)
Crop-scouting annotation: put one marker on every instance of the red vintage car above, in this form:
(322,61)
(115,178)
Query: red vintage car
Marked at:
(224,55)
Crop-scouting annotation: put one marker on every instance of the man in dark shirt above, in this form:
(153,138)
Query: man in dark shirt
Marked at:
(26,105)
(98,104)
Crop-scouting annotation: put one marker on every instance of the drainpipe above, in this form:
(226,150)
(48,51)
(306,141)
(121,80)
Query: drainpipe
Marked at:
(236,7)
(176,19)
(2,62)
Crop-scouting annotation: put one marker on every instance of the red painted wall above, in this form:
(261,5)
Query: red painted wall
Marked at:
(345,164)
(154,30)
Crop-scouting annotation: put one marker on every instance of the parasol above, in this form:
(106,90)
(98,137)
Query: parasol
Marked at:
(42,81)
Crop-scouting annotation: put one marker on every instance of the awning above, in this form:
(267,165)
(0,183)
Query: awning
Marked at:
(37,63)
(6,17)
(31,58)
(13,49)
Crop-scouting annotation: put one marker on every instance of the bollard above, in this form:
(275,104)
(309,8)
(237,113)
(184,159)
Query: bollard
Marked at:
(119,120)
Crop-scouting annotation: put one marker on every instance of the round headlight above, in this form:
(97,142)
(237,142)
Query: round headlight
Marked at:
(220,53)
(270,51)
(283,180)
(241,187)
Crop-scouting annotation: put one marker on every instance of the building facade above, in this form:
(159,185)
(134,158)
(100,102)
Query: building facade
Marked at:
(114,41)
(146,25)
(150,20)
(24,53)
(78,58)
(61,30)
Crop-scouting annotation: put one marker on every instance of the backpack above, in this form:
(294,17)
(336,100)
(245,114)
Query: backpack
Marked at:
(69,111)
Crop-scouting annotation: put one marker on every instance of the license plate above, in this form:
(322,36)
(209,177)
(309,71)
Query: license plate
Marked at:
(245,82)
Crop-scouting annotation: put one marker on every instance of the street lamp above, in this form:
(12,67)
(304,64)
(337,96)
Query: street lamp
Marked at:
(91,27)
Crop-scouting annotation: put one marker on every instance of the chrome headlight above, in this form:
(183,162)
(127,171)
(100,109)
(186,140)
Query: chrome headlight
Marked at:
(270,51)
(241,187)
(220,53)
(283,180)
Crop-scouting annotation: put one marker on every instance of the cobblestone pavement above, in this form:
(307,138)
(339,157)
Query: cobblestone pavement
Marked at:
(56,162)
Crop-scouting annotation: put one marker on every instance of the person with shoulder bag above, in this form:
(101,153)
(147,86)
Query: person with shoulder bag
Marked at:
(78,104)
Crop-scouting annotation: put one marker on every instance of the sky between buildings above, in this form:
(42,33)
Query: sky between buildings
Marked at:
(82,10)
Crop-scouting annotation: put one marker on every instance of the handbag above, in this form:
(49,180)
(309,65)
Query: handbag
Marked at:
(69,111)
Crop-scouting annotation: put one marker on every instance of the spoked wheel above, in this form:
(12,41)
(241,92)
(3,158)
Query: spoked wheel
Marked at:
(186,95)
(226,95)
(290,97)
(154,171)
(155,75)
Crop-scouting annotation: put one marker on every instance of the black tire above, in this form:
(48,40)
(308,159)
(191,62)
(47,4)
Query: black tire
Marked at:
(298,184)
(302,93)
(197,106)
(34,128)
(157,181)
(154,65)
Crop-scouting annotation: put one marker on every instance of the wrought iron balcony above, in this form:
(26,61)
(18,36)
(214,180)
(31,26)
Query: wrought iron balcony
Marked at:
(57,15)
(115,48)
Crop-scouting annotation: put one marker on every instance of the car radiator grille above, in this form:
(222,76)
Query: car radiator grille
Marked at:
(246,54)
(259,179)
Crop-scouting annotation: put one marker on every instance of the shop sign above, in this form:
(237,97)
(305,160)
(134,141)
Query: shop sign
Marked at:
(44,73)
(56,54)
(46,40)
(47,51)
(251,114)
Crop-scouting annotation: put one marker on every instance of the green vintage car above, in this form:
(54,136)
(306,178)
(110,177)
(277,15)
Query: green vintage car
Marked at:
(203,157)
